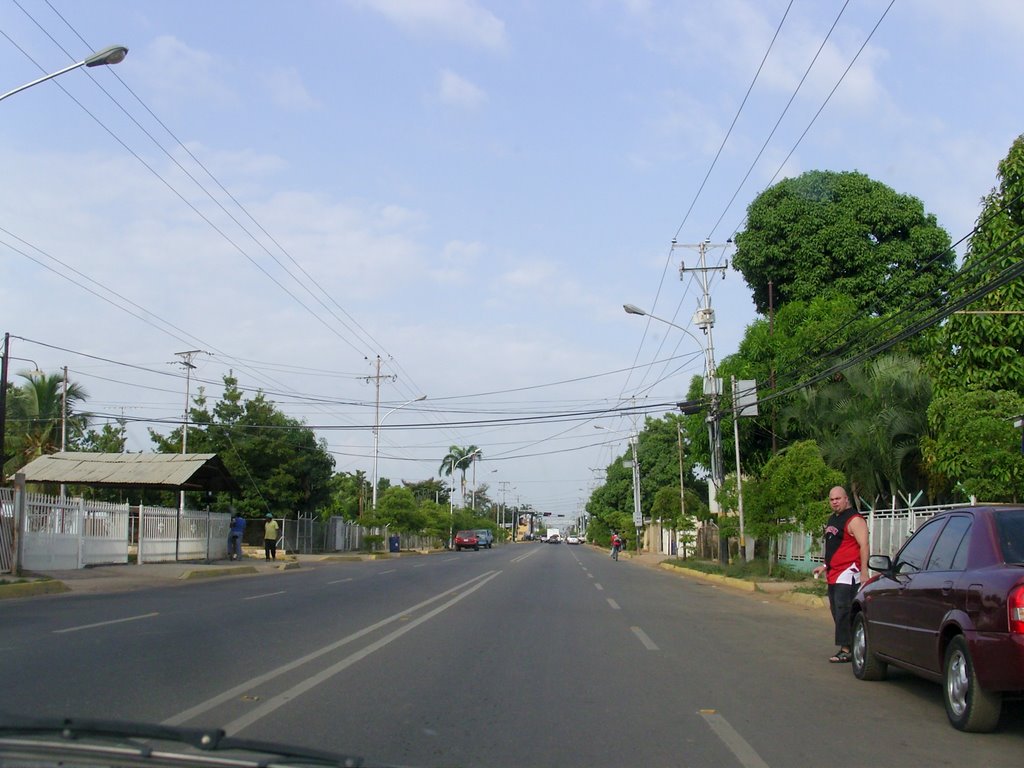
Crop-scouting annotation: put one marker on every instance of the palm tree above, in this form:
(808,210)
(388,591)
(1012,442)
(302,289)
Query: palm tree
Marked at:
(461,458)
(869,423)
(36,410)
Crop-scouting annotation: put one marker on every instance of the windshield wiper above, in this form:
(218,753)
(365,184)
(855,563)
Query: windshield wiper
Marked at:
(67,734)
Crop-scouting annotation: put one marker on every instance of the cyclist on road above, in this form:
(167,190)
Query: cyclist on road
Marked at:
(616,545)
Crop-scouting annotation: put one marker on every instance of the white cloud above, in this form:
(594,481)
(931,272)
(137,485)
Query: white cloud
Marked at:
(458,91)
(461,20)
(175,72)
(288,90)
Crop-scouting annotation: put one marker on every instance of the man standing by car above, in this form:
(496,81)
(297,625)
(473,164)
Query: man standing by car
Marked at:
(846,564)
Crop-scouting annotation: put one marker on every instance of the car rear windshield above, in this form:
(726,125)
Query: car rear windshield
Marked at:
(1010,525)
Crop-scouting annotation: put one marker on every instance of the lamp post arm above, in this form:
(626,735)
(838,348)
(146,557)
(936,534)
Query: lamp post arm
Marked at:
(376,442)
(112,55)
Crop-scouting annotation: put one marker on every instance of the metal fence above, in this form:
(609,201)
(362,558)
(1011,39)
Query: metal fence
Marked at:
(64,533)
(164,535)
(67,533)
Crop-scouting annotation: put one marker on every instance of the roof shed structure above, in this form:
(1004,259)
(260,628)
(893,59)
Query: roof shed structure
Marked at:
(164,471)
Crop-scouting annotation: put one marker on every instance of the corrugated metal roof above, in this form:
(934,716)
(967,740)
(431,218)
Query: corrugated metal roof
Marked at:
(171,471)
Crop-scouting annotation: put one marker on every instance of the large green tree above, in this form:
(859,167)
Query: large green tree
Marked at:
(977,359)
(984,346)
(280,465)
(827,232)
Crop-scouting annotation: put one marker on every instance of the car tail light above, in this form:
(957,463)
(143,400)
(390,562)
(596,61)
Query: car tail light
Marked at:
(1015,604)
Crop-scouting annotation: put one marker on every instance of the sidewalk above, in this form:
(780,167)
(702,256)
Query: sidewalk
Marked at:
(131,576)
(779,590)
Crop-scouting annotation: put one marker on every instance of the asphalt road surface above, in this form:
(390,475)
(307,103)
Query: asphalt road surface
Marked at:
(524,655)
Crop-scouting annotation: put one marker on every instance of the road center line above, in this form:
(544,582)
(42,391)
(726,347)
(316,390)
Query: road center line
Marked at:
(238,690)
(260,597)
(614,605)
(642,636)
(295,691)
(599,588)
(731,738)
(391,571)
(340,581)
(523,557)
(105,623)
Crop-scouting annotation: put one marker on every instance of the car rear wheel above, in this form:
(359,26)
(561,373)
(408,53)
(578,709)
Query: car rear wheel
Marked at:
(969,707)
(866,666)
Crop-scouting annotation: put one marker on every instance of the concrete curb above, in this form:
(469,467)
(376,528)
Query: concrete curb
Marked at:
(745,586)
(802,598)
(208,573)
(30,588)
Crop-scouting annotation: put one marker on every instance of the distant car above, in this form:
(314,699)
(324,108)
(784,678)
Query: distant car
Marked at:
(950,608)
(466,540)
(485,537)
(572,540)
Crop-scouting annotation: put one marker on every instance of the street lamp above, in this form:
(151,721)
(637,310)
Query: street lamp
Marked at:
(451,494)
(376,442)
(112,55)
(712,389)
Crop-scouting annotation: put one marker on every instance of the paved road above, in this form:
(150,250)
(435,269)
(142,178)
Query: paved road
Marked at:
(521,655)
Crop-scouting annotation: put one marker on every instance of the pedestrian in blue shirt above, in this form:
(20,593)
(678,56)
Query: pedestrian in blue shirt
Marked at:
(235,536)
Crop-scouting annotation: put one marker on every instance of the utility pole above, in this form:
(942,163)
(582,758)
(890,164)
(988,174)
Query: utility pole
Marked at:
(376,379)
(3,406)
(704,319)
(186,363)
(64,422)
(504,493)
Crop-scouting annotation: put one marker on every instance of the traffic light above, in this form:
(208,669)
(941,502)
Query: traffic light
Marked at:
(690,407)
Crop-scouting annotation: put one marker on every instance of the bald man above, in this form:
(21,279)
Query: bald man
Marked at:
(846,565)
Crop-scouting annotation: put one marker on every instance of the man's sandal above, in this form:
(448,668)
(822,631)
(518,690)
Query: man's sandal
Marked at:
(841,657)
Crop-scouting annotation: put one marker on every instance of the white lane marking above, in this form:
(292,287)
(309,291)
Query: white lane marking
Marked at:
(419,565)
(260,597)
(599,588)
(105,623)
(391,571)
(642,636)
(340,581)
(731,738)
(614,605)
(531,553)
(295,691)
(238,690)
(590,575)
(450,559)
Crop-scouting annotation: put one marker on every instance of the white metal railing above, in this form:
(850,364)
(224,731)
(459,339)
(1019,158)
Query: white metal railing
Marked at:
(65,533)
(165,536)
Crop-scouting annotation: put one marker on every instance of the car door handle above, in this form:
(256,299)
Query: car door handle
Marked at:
(947,587)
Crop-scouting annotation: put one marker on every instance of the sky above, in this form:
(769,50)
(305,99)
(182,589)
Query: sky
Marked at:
(468,190)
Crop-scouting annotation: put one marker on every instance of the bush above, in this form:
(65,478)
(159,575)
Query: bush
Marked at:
(373,541)
(755,570)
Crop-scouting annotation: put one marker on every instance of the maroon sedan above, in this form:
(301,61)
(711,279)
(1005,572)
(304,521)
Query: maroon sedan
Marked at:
(950,608)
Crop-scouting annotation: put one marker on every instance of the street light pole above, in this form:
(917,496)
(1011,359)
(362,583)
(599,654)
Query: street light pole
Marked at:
(113,55)
(376,442)
(451,496)
(705,318)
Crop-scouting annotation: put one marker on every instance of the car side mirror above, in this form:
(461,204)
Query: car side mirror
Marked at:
(880,563)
